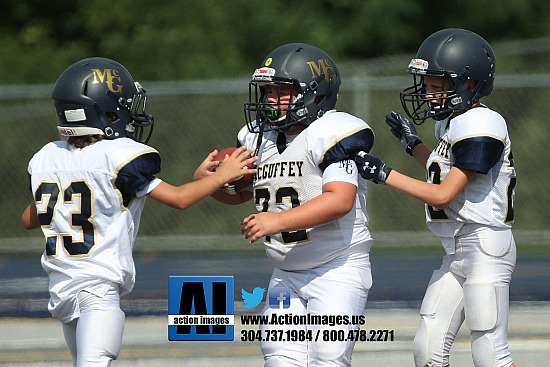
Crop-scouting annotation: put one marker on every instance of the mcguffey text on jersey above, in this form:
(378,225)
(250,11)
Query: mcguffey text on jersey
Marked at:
(280,169)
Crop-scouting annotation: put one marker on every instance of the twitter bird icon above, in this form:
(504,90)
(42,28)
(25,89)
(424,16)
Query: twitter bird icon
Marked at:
(253,299)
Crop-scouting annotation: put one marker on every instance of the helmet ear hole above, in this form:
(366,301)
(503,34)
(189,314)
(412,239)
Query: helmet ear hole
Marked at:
(112,116)
(319,99)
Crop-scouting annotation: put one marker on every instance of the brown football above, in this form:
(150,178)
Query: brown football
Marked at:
(241,182)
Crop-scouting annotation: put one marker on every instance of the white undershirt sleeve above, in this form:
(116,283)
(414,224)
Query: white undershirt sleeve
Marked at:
(343,171)
(154,183)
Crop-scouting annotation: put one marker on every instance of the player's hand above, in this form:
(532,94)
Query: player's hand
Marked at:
(207,167)
(232,167)
(403,130)
(259,225)
(372,168)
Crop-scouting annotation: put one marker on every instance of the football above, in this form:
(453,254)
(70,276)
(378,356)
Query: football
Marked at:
(242,182)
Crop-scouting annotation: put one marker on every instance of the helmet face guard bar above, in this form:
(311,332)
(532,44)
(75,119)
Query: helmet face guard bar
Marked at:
(296,111)
(279,116)
(140,120)
(420,106)
(137,108)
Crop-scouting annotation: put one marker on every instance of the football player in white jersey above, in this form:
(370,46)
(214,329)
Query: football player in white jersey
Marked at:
(310,199)
(469,196)
(89,191)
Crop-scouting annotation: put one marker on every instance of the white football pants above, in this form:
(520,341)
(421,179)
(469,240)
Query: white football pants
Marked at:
(331,289)
(94,339)
(472,285)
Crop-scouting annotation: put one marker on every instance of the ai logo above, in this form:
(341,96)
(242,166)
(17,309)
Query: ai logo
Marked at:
(201,308)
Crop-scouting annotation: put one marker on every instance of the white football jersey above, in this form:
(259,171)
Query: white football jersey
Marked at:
(89,203)
(294,177)
(476,140)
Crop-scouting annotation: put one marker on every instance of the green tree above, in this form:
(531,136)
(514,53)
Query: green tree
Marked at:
(196,39)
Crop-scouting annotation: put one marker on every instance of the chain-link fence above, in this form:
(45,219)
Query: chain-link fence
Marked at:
(194,117)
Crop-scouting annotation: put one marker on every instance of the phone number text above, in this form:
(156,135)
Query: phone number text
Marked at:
(327,335)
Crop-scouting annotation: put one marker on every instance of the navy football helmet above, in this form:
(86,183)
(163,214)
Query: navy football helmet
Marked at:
(454,54)
(99,96)
(312,77)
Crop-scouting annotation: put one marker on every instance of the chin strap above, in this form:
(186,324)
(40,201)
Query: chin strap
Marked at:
(261,126)
(281,142)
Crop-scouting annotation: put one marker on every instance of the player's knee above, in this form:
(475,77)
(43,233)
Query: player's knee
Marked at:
(275,362)
(105,345)
(421,349)
(284,354)
(113,340)
(336,352)
(281,361)
(269,348)
(489,344)
(483,350)
(486,313)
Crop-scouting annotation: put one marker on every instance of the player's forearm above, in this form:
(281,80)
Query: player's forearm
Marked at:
(186,195)
(417,189)
(200,189)
(439,196)
(421,153)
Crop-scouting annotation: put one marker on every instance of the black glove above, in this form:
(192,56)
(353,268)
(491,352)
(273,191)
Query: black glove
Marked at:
(372,168)
(403,130)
